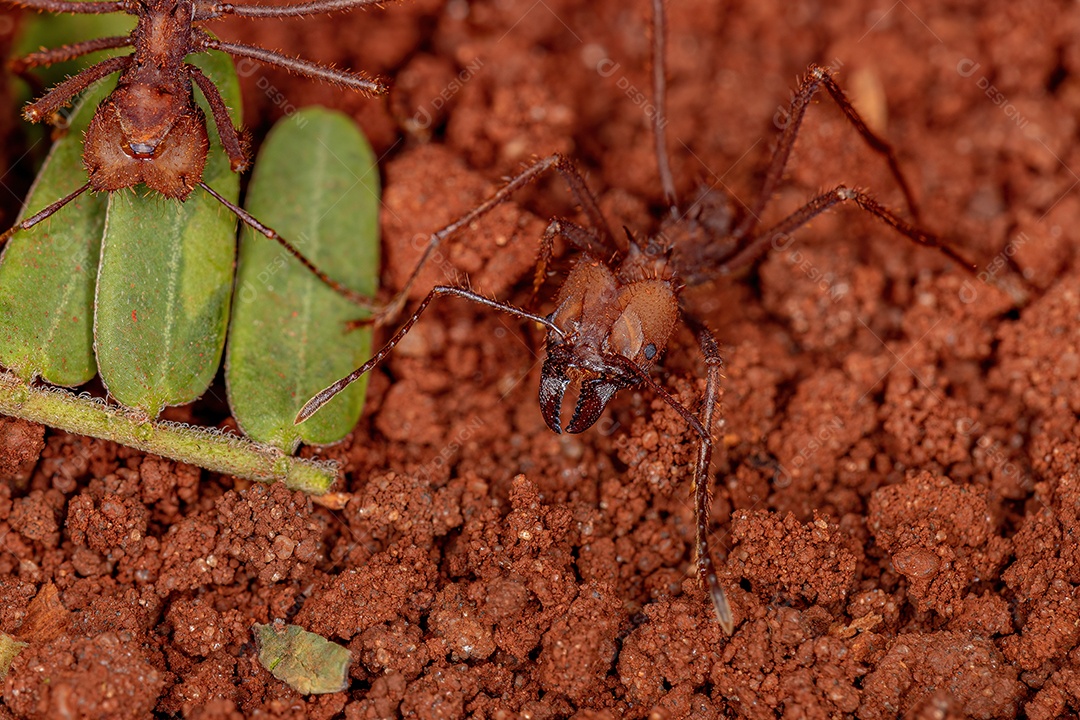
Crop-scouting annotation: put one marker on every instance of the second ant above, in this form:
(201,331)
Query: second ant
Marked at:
(149,129)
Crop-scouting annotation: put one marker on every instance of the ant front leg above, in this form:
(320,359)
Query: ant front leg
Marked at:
(43,58)
(599,234)
(61,94)
(580,237)
(702,491)
(230,138)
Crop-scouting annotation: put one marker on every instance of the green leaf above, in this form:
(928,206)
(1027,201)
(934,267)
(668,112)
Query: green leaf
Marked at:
(316,183)
(307,662)
(165,279)
(47,273)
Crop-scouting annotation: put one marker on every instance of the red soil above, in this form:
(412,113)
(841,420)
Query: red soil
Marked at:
(897,491)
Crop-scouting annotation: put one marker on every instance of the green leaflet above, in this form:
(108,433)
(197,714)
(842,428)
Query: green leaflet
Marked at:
(165,279)
(315,182)
(47,273)
(308,663)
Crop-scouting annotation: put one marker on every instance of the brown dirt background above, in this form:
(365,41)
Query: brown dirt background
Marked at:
(897,503)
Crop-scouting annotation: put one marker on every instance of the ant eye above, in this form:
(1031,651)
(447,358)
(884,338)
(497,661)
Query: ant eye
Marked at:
(650,351)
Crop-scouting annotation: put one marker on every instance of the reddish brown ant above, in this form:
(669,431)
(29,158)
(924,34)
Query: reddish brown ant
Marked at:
(619,305)
(149,129)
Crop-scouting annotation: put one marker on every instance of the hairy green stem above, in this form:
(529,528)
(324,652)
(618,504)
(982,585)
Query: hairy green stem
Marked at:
(208,448)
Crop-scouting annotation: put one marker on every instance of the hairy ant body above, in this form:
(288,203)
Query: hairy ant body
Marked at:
(149,129)
(620,303)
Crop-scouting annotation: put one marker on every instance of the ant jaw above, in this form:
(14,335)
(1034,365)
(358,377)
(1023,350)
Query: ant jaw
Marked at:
(552,389)
(593,397)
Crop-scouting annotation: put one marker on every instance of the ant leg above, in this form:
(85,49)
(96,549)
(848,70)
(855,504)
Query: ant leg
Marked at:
(279,11)
(230,139)
(580,237)
(585,198)
(578,188)
(352,80)
(816,78)
(660,100)
(249,220)
(526,176)
(21,66)
(702,492)
(61,94)
(67,52)
(42,214)
(840,194)
(83,8)
(313,405)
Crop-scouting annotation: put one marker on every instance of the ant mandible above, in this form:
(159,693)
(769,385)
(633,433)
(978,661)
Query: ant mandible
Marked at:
(620,303)
(149,129)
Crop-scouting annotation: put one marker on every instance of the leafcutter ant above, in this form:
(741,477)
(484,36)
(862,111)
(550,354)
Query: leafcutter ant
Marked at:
(149,129)
(620,303)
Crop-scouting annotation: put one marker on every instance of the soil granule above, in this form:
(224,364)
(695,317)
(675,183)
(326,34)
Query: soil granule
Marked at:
(897,502)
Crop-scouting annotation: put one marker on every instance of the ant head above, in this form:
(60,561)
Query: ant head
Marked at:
(160,145)
(613,325)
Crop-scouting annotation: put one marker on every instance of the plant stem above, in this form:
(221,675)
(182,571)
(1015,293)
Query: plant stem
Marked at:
(206,447)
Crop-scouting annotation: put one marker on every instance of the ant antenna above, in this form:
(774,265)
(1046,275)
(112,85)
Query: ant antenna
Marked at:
(312,406)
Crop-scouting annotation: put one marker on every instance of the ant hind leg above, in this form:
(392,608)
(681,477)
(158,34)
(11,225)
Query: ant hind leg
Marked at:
(598,236)
(816,78)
